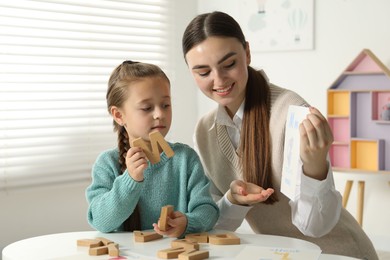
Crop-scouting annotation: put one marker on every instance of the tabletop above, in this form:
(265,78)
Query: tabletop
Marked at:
(63,246)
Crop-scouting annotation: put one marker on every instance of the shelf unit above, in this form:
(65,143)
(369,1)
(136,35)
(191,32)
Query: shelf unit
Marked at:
(355,103)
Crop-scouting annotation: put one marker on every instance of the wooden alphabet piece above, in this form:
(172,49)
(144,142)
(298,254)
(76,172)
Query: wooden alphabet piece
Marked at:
(194,255)
(100,246)
(224,239)
(90,242)
(101,250)
(166,212)
(113,249)
(199,237)
(140,236)
(156,140)
(170,253)
(186,243)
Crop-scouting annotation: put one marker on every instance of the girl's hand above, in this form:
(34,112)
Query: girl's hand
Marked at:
(136,163)
(177,224)
(246,193)
(316,139)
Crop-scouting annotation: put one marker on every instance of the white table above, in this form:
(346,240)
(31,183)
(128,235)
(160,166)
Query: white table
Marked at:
(64,246)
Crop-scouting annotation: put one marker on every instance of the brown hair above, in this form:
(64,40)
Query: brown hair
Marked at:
(117,93)
(255,146)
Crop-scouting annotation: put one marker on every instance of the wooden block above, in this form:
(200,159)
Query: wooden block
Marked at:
(101,250)
(156,140)
(139,142)
(186,243)
(140,236)
(89,242)
(105,241)
(194,255)
(113,249)
(166,212)
(224,239)
(199,237)
(170,253)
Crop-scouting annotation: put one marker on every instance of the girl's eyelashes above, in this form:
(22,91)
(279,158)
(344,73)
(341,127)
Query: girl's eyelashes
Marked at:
(146,108)
(204,74)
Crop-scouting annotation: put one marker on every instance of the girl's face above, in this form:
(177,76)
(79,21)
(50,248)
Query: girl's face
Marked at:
(219,66)
(147,108)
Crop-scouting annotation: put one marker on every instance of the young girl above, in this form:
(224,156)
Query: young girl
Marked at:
(241,145)
(127,192)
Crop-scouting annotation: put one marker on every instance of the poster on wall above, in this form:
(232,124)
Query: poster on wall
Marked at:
(277,25)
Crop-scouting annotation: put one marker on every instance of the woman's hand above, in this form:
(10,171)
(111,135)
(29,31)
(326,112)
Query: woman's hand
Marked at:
(316,139)
(177,224)
(136,163)
(246,193)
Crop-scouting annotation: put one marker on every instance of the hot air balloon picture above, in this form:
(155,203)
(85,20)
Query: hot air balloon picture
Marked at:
(277,25)
(297,20)
(261,6)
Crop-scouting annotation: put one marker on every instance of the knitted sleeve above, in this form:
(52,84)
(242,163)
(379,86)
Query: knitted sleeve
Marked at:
(202,212)
(111,197)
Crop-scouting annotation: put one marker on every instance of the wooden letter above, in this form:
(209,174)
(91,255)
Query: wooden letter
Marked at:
(89,242)
(194,255)
(113,249)
(105,241)
(156,140)
(199,237)
(102,250)
(224,239)
(166,212)
(186,243)
(170,253)
(146,236)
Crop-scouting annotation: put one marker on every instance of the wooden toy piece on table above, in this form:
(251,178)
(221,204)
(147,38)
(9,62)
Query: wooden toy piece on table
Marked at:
(170,253)
(224,239)
(194,255)
(100,246)
(166,212)
(188,248)
(186,243)
(141,236)
(101,250)
(199,237)
(89,242)
(113,249)
(156,141)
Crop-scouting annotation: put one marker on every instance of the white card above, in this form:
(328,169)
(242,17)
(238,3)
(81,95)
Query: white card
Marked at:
(274,253)
(291,178)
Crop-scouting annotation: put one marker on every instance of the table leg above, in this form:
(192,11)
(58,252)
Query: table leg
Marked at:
(360,202)
(347,191)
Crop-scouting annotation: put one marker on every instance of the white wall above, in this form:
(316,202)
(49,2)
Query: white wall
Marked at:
(342,29)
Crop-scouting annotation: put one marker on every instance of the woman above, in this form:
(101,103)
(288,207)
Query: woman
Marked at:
(241,146)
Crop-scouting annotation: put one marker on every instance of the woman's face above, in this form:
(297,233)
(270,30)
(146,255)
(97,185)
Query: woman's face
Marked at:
(219,66)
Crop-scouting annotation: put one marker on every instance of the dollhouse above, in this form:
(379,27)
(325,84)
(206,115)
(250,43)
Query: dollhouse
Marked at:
(359,115)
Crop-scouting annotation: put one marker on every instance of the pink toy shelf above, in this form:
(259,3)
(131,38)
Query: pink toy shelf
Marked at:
(359,115)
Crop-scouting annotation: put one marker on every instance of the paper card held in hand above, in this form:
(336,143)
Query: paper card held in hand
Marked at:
(291,178)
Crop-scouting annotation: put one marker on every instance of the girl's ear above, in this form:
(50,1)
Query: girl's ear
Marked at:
(248,54)
(117,115)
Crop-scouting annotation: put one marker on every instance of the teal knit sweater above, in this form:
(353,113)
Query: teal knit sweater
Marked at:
(179,181)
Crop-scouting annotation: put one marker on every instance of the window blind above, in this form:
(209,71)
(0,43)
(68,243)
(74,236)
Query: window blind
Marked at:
(55,61)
